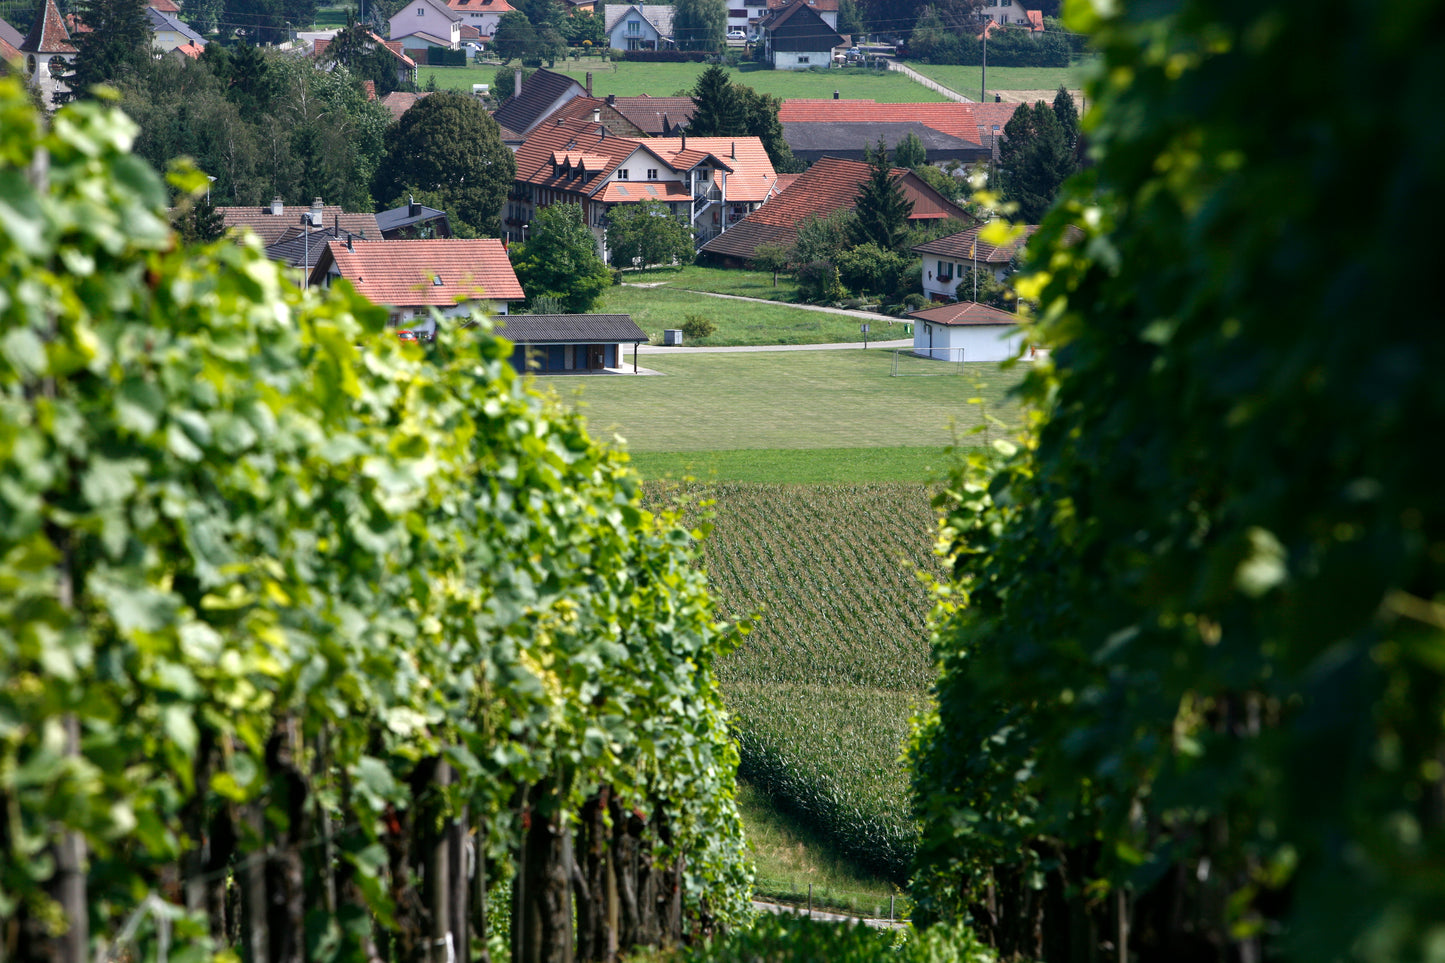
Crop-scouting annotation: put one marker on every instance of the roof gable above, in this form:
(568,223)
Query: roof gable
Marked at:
(433,272)
(655,115)
(540,94)
(534,156)
(965,313)
(657,14)
(11,36)
(160,20)
(799,27)
(48,34)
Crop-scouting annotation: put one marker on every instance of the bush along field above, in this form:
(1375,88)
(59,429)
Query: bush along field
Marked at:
(822,689)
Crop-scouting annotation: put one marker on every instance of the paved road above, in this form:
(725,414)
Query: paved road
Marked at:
(928,82)
(821,917)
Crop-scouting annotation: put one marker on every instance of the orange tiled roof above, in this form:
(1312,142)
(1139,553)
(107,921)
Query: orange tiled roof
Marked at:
(164,6)
(192,50)
(406,273)
(965,312)
(48,34)
(480,6)
(953,119)
(650,113)
(534,157)
(625,192)
(581,108)
(400,101)
(829,185)
(1036,20)
(752,176)
(272,227)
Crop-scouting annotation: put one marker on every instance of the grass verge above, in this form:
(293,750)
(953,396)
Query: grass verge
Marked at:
(739,323)
(663,79)
(692,277)
(787,860)
(810,466)
(789,400)
(966,80)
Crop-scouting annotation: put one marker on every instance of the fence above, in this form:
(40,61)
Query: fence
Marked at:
(873,906)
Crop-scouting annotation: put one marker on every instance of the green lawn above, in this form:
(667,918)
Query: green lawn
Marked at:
(799,466)
(663,80)
(788,399)
(966,80)
(738,322)
(751,284)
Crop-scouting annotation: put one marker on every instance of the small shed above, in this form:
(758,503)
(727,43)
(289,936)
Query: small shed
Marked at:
(966,331)
(576,343)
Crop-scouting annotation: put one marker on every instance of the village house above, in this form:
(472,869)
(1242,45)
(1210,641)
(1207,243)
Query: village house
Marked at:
(830,185)
(711,182)
(578,343)
(796,37)
(638,26)
(417,280)
(966,331)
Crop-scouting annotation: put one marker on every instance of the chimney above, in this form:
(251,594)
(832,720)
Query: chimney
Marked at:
(412,207)
(350,246)
(735,150)
(278,207)
(596,115)
(517,83)
(684,141)
(835,95)
(611,99)
(316,211)
(589,83)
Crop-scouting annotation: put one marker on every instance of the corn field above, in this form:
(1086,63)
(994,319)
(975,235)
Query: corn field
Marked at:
(822,689)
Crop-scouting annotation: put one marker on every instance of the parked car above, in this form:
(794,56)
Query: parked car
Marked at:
(406,336)
(736,33)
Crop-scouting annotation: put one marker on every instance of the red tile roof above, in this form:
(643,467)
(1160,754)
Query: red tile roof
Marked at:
(623,192)
(165,6)
(1036,20)
(400,101)
(651,113)
(481,6)
(581,108)
(48,34)
(534,157)
(965,313)
(272,227)
(751,176)
(829,185)
(370,87)
(966,245)
(405,273)
(192,50)
(953,119)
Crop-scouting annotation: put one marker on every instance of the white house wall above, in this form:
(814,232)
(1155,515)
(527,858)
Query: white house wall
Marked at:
(787,60)
(967,342)
(430,20)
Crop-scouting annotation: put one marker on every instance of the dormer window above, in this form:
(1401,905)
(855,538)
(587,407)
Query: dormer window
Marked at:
(436,280)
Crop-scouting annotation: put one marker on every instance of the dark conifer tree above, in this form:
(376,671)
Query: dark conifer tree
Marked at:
(1034,159)
(881,208)
(719,110)
(114,43)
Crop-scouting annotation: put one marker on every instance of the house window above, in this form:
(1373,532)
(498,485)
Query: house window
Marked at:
(803,58)
(738,13)
(652,173)
(622,174)
(634,26)
(421,11)
(945,270)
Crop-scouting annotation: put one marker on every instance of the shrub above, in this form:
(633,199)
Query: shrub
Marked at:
(818,283)
(697,326)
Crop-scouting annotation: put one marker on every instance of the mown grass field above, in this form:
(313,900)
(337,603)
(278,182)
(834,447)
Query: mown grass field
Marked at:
(693,277)
(813,466)
(663,80)
(738,322)
(789,400)
(966,80)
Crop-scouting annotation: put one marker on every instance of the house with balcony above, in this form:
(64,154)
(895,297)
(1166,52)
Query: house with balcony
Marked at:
(638,26)
(711,182)
(432,18)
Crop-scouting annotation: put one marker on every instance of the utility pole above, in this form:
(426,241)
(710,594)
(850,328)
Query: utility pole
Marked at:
(983,81)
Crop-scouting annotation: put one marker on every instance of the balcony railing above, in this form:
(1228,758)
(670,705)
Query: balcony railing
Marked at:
(706,191)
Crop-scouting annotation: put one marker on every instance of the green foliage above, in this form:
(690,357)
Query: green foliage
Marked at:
(583,26)
(700,24)
(1067,113)
(639,235)
(850,19)
(806,466)
(354,49)
(769,256)
(717,109)
(818,283)
(447,143)
(786,939)
(560,261)
(935,42)
(504,81)
(869,269)
(253,547)
(881,209)
(1195,673)
(696,326)
(910,152)
(1034,160)
(115,44)
(515,38)
(823,238)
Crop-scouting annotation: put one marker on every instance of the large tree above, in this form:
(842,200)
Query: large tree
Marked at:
(560,260)
(355,48)
(448,143)
(1034,160)
(881,208)
(700,24)
(726,109)
(115,42)
(639,235)
(515,37)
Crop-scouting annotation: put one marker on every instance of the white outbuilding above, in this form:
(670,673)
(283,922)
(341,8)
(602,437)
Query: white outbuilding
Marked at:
(966,331)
